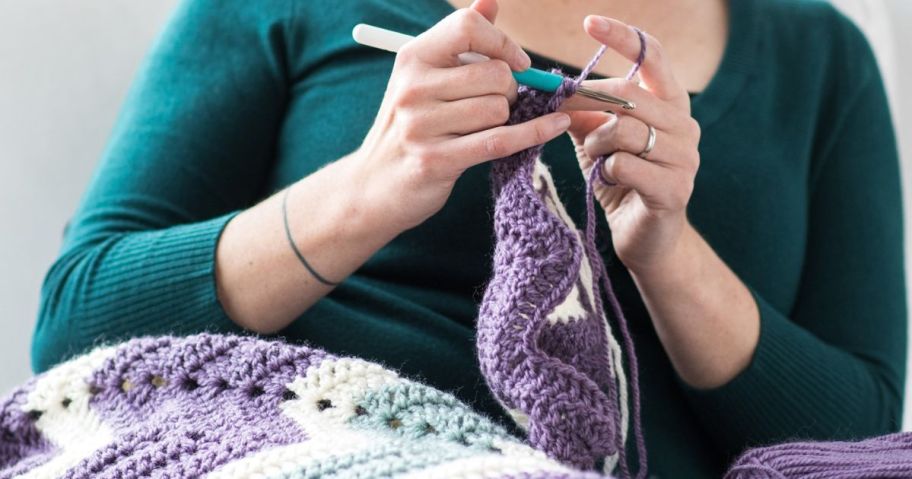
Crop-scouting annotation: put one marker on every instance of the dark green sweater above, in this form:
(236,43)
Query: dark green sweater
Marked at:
(798,192)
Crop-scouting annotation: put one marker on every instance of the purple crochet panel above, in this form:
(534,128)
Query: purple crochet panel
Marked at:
(544,343)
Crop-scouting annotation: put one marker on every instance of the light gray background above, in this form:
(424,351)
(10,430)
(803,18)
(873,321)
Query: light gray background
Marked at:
(65,67)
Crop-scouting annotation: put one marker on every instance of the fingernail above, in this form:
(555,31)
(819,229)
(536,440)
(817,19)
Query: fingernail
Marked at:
(561,121)
(523,61)
(600,24)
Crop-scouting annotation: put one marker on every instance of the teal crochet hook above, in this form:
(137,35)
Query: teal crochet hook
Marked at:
(391,41)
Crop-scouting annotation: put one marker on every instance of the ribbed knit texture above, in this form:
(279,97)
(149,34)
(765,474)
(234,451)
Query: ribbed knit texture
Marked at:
(798,192)
(162,278)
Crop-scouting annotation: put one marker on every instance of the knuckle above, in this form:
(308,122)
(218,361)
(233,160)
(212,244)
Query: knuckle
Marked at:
(591,144)
(599,141)
(500,110)
(406,95)
(693,162)
(467,15)
(693,128)
(466,20)
(540,133)
(616,168)
(407,53)
(410,126)
(422,162)
(418,88)
(613,133)
(494,146)
(502,75)
(424,156)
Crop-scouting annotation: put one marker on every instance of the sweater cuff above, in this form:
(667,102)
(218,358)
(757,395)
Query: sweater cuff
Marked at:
(748,410)
(177,262)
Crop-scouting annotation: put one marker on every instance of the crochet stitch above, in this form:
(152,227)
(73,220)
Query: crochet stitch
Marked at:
(228,407)
(544,344)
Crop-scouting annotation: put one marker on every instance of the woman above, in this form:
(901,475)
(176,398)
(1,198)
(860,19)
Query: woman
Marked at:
(765,292)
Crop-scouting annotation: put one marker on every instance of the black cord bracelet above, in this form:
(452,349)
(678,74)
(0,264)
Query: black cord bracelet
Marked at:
(294,247)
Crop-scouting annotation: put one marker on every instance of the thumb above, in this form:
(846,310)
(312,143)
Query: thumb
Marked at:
(487,8)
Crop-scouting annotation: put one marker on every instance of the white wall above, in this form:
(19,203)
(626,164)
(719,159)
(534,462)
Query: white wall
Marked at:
(902,17)
(64,70)
(65,67)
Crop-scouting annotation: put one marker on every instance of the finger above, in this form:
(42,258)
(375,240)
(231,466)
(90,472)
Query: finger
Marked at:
(653,182)
(584,122)
(625,133)
(655,72)
(487,9)
(465,30)
(649,108)
(469,150)
(469,115)
(492,77)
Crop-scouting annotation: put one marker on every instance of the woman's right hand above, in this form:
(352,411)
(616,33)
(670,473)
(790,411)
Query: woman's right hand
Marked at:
(438,118)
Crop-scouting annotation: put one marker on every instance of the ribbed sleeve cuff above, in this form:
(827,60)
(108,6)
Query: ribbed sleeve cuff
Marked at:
(793,381)
(157,282)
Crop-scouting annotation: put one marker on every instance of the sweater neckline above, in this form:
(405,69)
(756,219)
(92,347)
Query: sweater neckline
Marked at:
(737,64)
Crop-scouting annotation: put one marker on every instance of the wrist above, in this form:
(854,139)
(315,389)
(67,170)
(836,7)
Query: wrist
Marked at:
(676,263)
(350,215)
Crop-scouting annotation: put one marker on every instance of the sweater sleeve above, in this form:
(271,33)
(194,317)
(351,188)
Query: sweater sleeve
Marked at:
(194,143)
(834,366)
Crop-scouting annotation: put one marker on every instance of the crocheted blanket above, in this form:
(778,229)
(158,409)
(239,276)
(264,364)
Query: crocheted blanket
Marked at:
(232,407)
(224,406)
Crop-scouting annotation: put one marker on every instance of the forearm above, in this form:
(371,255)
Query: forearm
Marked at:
(704,315)
(261,282)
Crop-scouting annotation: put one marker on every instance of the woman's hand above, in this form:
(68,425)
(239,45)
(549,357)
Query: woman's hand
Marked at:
(705,317)
(439,118)
(647,208)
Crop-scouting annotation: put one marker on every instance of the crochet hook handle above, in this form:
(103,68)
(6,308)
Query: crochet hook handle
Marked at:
(391,41)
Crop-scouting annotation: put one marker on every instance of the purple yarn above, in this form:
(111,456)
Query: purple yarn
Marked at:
(571,402)
(887,456)
(641,57)
(599,163)
(220,403)
(244,407)
(22,447)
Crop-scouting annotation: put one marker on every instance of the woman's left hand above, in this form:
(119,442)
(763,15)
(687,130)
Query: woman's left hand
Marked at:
(646,208)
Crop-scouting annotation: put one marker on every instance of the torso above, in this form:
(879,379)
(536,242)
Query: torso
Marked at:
(413,304)
(692,32)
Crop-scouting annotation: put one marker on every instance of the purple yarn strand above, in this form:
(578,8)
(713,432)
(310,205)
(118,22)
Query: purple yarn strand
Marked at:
(879,457)
(616,309)
(597,174)
(641,57)
(601,272)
